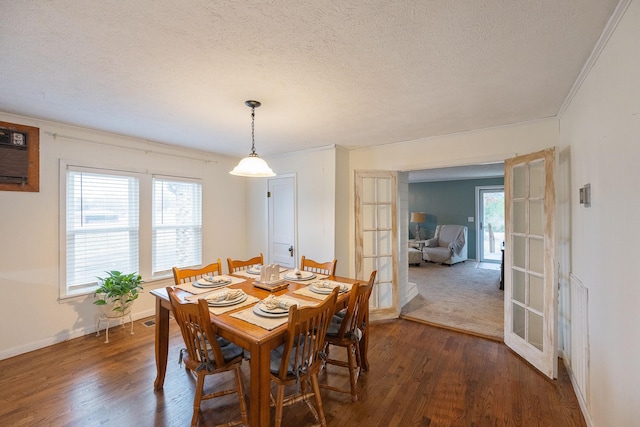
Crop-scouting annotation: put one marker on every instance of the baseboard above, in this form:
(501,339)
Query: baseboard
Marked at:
(65,336)
(581,402)
(412,292)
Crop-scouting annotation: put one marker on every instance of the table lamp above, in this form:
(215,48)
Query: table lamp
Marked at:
(418,218)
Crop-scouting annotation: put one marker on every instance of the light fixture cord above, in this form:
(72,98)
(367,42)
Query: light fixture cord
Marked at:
(253,119)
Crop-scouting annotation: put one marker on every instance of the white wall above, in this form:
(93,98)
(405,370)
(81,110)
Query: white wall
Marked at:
(30,222)
(315,172)
(601,132)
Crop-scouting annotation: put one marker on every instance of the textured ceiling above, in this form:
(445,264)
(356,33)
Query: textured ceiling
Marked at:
(352,73)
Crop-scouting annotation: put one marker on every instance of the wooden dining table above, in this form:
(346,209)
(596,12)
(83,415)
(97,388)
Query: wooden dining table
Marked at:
(257,340)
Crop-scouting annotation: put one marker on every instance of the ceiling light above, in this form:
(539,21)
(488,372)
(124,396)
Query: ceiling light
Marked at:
(252,165)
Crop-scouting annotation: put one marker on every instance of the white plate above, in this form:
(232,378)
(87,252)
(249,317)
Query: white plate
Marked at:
(258,312)
(254,270)
(325,291)
(277,310)
(305,275)
(201,283)
(226,303)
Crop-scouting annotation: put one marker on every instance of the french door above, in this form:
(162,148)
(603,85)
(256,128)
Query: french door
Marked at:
(376,239)
(531,297)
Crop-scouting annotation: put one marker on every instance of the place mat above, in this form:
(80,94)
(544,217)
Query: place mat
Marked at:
(219,310)
(307,292)
(267,323)
(188,287)
(244,273)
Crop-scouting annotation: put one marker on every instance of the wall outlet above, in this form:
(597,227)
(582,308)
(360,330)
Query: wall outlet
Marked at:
(470,219)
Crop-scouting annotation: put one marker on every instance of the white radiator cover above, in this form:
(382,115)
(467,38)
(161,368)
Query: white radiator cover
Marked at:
(579,361)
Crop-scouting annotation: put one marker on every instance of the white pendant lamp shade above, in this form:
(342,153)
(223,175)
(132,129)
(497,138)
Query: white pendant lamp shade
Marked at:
(252,165)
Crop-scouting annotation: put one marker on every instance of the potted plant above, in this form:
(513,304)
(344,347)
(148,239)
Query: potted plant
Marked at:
(117,292)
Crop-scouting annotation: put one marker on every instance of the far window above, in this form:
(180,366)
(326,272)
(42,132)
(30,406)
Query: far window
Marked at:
(177,224)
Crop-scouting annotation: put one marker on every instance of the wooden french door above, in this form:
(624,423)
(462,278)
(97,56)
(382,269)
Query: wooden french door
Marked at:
(531,297)
(376,239)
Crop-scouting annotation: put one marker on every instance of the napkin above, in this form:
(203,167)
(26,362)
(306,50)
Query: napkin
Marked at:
(272,302)
(324,284)
(215,279)
(230,295)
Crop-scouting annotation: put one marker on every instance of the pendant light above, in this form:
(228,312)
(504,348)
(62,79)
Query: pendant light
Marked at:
(252,165)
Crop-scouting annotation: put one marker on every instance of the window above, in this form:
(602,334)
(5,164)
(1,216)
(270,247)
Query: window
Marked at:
(102,232)
(125,221)
(177,224)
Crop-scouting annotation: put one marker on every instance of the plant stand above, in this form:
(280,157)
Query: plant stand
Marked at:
(120,318)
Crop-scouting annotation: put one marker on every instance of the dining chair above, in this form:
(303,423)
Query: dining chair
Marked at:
(204,355)
(347,329)
(187,275)
(298,359)
(239,265)
(328,268)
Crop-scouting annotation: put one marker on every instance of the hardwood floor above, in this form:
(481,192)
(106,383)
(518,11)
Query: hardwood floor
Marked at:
(420,376)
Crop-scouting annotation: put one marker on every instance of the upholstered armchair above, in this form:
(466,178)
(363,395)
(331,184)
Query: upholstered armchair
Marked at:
(448,246)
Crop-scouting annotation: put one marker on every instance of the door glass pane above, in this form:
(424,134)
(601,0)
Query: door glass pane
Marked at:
(535,330)
(518,320)
(536,255)
(384,242)
(519,246)
(384,191)
(519,180)
(369,217)
(536,293)
(518,286)
(519,216)
(536,217)
(385,272)
(385,294)
(369,264)
(369,243)
(369,189)
(384,217)
(536,179)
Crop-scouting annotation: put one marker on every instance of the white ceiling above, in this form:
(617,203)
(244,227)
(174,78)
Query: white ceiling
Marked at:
(352,73)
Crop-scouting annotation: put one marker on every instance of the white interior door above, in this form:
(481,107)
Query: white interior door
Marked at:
(282,221)
(376,234)
(531,298)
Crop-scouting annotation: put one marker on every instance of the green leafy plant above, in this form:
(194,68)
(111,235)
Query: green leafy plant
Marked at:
(119,289)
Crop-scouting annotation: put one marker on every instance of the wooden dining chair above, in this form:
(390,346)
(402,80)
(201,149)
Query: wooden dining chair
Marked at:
(328,268)
(239,265)
(188,275)
(204,355)
(298,359)
(347,329)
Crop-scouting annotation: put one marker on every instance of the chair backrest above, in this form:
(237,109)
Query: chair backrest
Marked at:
(305,336)
(239,265)
(184,275)
(450,233)
(328,268)
(198,333)
(357,308)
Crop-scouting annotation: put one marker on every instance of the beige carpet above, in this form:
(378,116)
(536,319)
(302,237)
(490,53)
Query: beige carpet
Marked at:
(461,297)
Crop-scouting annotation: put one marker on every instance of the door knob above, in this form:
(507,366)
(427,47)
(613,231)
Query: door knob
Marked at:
(291,250)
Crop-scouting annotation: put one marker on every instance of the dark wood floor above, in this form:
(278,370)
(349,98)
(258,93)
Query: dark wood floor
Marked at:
(420,376)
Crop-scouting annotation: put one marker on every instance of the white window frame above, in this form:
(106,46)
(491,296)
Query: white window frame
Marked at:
(145,224)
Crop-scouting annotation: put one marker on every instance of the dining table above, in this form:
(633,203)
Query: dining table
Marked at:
(240,325)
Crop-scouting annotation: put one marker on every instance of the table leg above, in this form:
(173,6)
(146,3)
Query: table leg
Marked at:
(162,343)
(260,383)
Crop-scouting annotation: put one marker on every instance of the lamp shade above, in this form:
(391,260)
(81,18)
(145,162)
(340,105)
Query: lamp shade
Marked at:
(252,166)
(418,217)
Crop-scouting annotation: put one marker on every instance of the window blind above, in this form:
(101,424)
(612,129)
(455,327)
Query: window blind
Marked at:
(177,224)
(102,228)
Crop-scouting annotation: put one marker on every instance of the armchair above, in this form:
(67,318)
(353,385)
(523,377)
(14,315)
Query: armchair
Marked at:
(448,246)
